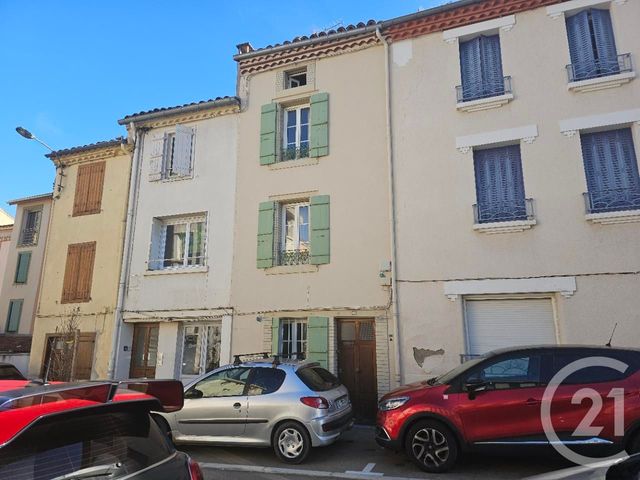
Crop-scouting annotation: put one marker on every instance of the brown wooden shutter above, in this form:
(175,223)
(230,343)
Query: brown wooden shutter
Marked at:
(83,360)
(78,272)
(89,186)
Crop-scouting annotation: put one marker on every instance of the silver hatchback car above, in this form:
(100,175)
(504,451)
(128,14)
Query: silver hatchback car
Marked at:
(290,405)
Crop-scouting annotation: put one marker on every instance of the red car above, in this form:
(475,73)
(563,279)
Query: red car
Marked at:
(90,430)
(495,402)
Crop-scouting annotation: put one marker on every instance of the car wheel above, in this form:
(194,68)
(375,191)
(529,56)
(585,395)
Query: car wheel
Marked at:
(291,442)
(431,446)
(633,446)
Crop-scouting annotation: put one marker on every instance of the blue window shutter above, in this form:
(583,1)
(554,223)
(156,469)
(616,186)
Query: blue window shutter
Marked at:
(580,46)
(22,269)
(275,336)
(13,318)
(492,77)
(605,42)
(471,69)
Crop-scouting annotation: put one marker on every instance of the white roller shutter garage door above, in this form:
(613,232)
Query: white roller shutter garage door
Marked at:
(493,324)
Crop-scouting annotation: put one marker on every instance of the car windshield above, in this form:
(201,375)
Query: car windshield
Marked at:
(450,375)
(111,444)
(318,379)
(9,372)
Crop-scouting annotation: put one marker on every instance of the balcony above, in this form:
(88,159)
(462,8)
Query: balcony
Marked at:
(476,96)
(293,257)
(620,205)
(294,153)
(28,236)
(504,217)
(600,74)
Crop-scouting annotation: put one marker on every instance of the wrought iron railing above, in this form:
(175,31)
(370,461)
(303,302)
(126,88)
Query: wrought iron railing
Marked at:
(506,211)
(293,257)
(476,90)
(616,200)
(602,67)
(294,153)
(28,236)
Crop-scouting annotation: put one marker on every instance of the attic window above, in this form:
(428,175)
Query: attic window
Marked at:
(297,78)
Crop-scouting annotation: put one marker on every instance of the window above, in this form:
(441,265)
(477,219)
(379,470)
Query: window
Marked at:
(89,185)
(593,374)
(611,170)
(22,268)
(318,379)
(178,243)
(200,349)
(499,185)
(516,372)
(293,337)
(265,381)
(30,227)
(481,69)
(13,317)
(226,383)
(171,154)
(78,272)
(294,236)
(296,133)
(296,78)
(592,46)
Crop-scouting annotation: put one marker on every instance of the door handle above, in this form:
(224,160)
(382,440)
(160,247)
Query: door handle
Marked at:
(237,405)
(532,402)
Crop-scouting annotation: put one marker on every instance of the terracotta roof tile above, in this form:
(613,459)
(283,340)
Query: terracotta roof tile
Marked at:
(212,101)
(92,146)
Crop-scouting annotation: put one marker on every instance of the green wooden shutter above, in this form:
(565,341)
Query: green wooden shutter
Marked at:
(319,229)
(266,224)
(275,336)
(318,340)
(13,319)
(22,270)
(319,137)
(268,124)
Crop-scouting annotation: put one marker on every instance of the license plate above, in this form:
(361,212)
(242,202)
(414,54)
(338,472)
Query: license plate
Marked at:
(342,402)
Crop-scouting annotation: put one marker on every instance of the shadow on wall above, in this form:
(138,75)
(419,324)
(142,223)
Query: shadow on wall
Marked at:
(428,360)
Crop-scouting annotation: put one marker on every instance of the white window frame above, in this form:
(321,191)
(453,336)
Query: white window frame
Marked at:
(23,227)
(288,78)
(298,109)
(168,152)
(298,334)
(188,221)
(204,344)
(283,224)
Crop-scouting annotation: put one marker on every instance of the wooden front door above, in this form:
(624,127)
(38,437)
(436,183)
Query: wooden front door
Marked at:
(357,365)
(144,352)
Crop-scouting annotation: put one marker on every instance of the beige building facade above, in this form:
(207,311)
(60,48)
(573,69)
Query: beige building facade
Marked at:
(73,330)
(517,196)
(312,248)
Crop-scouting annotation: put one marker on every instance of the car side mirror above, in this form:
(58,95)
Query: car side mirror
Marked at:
(193,393)
(473,388)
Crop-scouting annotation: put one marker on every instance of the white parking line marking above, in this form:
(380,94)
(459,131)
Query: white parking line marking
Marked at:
(366,471)
(296,471)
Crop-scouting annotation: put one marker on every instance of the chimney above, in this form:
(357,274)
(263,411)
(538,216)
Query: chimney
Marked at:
(244,48)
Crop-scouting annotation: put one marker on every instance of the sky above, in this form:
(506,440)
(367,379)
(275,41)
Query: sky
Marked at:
(71,68)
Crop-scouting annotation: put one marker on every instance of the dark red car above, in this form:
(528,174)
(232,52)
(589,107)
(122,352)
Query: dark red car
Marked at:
(495,402)
(90,430)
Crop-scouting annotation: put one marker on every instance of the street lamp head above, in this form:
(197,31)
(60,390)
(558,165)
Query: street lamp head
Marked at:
(24,132)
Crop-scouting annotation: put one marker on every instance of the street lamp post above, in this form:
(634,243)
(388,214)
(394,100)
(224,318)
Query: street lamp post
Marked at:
(23,132)
(30,136)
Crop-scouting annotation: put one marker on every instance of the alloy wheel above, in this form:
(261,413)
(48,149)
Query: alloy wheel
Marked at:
(430,447)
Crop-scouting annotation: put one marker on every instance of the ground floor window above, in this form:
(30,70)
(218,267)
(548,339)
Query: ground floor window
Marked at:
(293,337)
(200,349)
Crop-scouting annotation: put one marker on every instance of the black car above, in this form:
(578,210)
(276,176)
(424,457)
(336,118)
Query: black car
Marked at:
(10,372)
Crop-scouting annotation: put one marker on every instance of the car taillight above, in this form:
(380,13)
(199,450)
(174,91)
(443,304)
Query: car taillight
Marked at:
(315,402)
(194,470)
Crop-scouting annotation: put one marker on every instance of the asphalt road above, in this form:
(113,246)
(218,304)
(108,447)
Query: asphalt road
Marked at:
(356,455)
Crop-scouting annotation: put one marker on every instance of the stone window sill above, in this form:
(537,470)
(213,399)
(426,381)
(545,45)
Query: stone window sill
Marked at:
(303,162)
(504,227)
(176,271)
(610,218)
(484,103)
(601,83)
(286,269)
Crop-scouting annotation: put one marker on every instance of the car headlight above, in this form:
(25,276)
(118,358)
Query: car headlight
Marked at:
(392,403)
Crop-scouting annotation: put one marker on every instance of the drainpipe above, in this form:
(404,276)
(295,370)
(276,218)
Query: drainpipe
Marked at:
(392,211)
(126,251)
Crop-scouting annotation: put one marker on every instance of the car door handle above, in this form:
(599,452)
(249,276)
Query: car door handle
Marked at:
(237,405)
(532,402)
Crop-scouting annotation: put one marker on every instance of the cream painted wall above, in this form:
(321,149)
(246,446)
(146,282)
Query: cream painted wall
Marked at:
(354,175)
(5,244)
(28,291)
(107,230)
(435,188)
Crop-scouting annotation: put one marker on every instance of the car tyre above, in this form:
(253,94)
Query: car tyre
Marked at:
(291,442)
(633,447)
(431,446)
